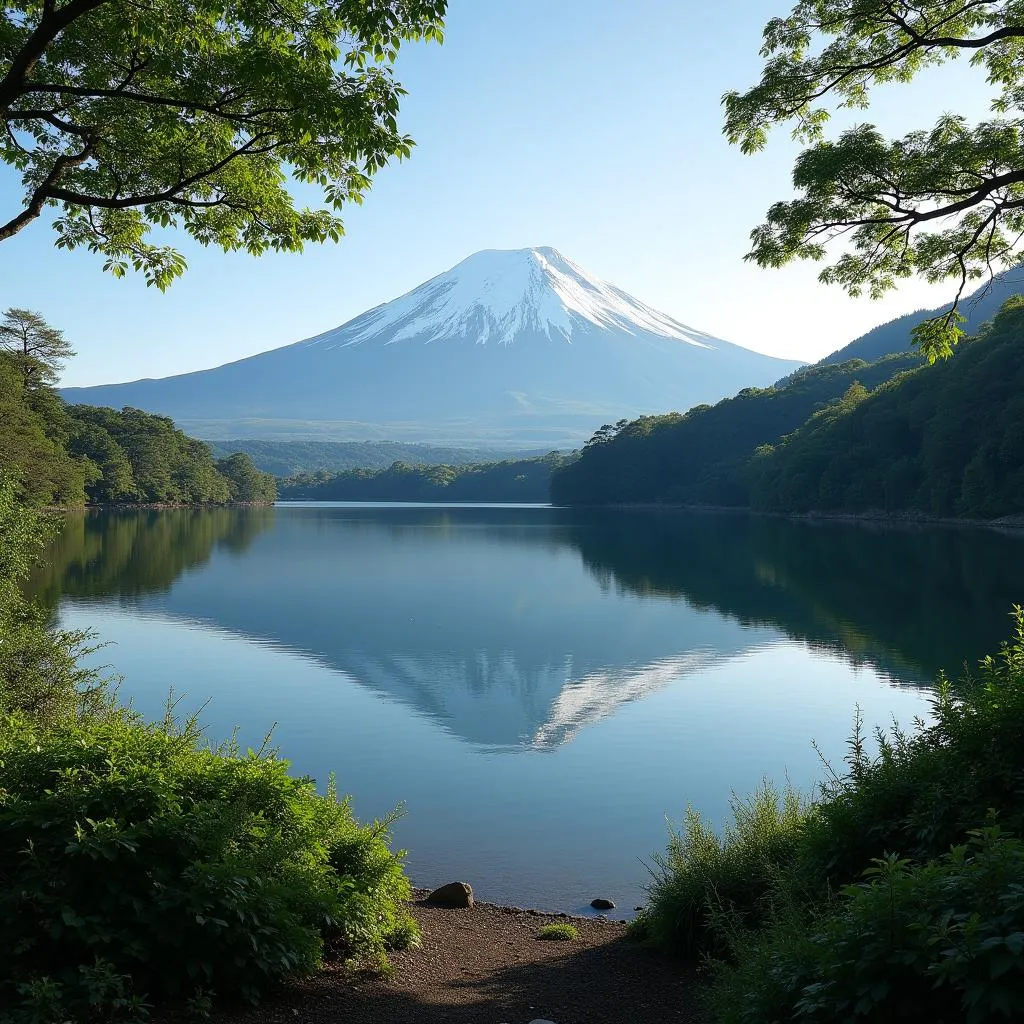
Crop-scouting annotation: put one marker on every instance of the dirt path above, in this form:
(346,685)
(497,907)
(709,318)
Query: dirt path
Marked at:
(485,965)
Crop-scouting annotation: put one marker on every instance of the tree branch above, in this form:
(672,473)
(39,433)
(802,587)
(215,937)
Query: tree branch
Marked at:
(51,118)
(52,23)
(40,196)
(171,194)
(217,109)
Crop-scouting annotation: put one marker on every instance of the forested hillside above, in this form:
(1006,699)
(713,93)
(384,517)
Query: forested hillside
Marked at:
(77,455)
(896,335)
(894,436)
(699,457)
(526,480)
(946,440)
(290,458)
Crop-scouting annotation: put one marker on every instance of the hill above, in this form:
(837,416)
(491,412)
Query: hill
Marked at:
(895,336)
(517,348)
(699,457)
(290,458)
(75,455)
(945,440)
(520,481)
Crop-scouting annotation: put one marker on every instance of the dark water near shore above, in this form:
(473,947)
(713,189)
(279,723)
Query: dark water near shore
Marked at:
(540,687)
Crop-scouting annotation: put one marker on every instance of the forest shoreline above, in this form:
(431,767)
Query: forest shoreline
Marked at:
(904,518)
(140,505)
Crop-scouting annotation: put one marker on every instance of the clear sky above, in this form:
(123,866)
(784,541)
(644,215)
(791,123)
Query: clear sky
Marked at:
(590,125)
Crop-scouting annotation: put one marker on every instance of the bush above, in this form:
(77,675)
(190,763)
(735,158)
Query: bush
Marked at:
(560,932)
(40,674)
(703,874)
(936,943)
(921,793)
(137,863)
(925,790)
(935,934)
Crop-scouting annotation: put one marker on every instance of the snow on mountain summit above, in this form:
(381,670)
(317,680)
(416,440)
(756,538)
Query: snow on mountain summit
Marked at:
(509,347)
(495,295)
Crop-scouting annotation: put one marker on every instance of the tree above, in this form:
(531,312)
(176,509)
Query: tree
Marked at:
(33,453)
(41,349)
(167,114)
(245,482)
(943,203)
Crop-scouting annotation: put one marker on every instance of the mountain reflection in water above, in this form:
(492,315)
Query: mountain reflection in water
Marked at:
(499,623)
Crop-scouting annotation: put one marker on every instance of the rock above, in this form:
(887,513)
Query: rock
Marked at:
(602,904)
(454,894)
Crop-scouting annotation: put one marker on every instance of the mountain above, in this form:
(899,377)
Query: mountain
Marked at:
(895,336)
(508,347)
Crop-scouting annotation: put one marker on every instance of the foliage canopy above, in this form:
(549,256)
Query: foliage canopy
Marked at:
(945,202)
(130,117)
(41,348)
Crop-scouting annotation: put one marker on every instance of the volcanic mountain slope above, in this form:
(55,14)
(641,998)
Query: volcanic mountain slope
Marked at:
(510,346)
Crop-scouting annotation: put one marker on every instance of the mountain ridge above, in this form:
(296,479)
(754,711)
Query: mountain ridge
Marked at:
(509,346)
(895,335)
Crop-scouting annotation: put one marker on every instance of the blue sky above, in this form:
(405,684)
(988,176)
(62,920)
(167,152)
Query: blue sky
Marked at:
(590,125)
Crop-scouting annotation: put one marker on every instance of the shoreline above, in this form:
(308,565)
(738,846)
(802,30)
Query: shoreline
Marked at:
(139,505)
(486,964)
(904,518)
(418,897)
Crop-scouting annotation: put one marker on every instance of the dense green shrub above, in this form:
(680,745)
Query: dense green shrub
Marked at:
(920,793)
(40,673)
(926,789)
(138,863)
(936,934)
(937,943)
(702,871)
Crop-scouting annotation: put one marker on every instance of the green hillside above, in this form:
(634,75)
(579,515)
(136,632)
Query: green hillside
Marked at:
(523,480)
(290,458)
(699,457)
(895,336)
(893,436)
(945,440)
(74,455)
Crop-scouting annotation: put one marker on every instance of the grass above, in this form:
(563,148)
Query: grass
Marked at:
(558,932)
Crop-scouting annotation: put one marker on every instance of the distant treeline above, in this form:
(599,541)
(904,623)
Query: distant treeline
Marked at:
(291,458)
(75,455)
(893,436)
(521,480)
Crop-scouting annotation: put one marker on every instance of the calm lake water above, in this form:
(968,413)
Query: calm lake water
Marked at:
(541,688)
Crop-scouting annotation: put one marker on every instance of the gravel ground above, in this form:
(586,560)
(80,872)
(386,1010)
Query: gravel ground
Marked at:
(485,964)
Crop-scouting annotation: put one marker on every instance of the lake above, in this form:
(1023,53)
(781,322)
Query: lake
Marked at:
(541,689)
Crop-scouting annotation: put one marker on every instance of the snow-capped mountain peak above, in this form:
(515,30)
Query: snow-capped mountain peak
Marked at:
(509,347)
(495,295)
